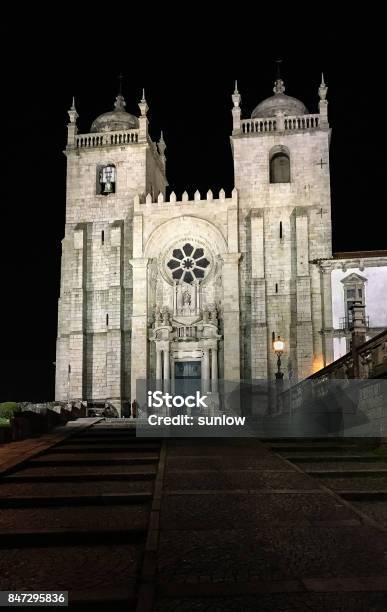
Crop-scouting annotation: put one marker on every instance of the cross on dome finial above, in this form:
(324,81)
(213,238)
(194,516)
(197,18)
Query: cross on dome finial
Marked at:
(278,62)
(120,79)
(279,86)
(120,103)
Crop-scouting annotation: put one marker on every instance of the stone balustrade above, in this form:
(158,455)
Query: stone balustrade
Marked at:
(304,122)
(187,332)
(276,124)
(108,139)
(342,383)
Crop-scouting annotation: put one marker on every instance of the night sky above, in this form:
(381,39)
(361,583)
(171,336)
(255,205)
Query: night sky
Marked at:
(190,99)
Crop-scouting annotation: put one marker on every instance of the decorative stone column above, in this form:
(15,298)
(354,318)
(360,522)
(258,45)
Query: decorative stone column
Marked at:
(231,316)
(214,369)
(159,368)
(326,290)
(358,333)
(167,375)
(258,332)
(205,370)
(114,376)
(139,365)
(77,344)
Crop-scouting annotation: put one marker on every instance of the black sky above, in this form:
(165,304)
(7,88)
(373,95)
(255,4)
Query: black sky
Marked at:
(189,98)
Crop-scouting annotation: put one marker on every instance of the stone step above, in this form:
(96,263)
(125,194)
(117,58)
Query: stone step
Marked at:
(26,538)
(84,449)
(133,476)
(40,462)
(332,458)
(74,500)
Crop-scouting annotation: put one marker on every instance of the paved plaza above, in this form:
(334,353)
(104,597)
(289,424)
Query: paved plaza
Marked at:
(191,525)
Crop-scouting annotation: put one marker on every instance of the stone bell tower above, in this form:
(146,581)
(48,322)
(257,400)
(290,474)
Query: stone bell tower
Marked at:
(106,168)
(281,166)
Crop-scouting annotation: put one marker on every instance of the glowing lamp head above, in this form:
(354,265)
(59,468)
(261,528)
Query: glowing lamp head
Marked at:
(278,345)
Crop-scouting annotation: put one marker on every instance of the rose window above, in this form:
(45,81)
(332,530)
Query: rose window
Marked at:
(188,263)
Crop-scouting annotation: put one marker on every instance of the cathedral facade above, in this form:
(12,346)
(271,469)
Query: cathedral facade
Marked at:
(157,287)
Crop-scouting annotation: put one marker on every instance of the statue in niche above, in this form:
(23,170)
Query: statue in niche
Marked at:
(165,315)
(186,298)
(186,302)
(213,314)
(157,316)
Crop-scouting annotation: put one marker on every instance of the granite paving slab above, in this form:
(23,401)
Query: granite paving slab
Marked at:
(295,602)
(52,489)
(377,510)
(70,470)
(79,517)
(362,483)
(232,511)
(84,457)
(234,479)
(343,465)
(228,462)
(278,552)
(66,568)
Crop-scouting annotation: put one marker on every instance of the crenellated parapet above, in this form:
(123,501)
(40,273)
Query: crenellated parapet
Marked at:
(142,201)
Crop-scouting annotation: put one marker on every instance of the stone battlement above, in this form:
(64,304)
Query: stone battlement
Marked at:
(140,201)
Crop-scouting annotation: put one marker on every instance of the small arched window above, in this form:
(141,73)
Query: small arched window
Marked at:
(106,180)
(280,168)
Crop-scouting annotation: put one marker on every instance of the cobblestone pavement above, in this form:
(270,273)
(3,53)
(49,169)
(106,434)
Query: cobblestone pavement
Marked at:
(49,489)
(14,452)
(79,517)
(62,544)
(375,509)
(242,529)
(362,483)
(63,568)
(234,510)
(84,457)
(295,602)
(238,528)
(235,479)
(344,465)
(69,470)
(224,462)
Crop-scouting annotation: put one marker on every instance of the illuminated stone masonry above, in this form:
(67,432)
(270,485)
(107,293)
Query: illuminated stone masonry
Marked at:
(166,288)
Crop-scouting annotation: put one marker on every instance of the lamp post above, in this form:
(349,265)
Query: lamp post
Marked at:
(278,346)
(68,384)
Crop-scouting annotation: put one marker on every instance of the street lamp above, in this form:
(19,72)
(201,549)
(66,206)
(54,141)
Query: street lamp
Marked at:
(278,346)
